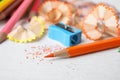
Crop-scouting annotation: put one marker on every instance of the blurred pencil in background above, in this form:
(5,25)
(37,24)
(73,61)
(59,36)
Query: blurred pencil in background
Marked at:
(5,3)
(33,11)
(10,9)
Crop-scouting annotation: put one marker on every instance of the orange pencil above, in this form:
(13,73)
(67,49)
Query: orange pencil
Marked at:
(87,48)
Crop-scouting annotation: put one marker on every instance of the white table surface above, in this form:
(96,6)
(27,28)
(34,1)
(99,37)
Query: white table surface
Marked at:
(104,65)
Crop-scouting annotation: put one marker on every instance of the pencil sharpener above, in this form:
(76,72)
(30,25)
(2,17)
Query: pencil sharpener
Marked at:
(65,34)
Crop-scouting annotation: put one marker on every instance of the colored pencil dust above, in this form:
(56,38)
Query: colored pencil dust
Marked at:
(36,53)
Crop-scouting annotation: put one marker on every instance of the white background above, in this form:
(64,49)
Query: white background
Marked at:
(104,65)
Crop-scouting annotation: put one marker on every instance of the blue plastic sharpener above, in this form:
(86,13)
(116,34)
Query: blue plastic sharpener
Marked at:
(65,34)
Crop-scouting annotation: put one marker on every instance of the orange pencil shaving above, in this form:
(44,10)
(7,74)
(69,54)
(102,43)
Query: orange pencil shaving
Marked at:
(87,48)
(5,3)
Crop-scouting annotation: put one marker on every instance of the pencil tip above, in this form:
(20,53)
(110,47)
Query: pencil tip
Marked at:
(3,36)
(49,55)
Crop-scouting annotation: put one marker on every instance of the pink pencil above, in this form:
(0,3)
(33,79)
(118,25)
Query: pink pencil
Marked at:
(12,21)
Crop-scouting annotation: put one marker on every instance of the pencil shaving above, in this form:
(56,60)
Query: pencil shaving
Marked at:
(101,20)
(33,32)
(75,19)
(55,11)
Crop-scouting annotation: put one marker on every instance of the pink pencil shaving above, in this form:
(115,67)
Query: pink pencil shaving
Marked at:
(13,20)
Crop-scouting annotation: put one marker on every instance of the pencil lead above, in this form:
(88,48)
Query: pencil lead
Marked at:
(49,55)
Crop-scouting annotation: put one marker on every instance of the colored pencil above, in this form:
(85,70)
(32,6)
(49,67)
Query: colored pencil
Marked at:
(83,49)
(33,11)
(10,9)
(16,16)
(5,3)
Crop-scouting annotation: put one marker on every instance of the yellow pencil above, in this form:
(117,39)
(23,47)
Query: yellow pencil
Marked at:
(4,4)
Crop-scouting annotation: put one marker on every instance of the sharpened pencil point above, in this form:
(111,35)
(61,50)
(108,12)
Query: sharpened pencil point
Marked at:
(3,36)
(49,55)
